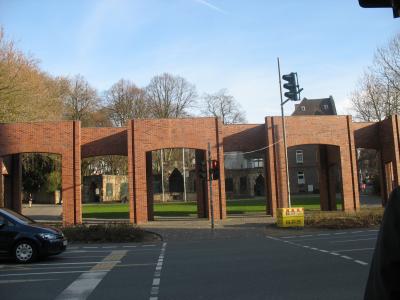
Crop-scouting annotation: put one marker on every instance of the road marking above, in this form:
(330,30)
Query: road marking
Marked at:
(339,233)
(24,280)
(129,246)
(82,287)
(77,263)
(323,234)
(356,231)
(359,249)
(321,250)
(109,247)
(356,240)
(90,247)
(155,289)
(361,262)
(148,245)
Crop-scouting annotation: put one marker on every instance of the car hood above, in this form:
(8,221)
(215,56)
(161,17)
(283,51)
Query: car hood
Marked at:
(38,228)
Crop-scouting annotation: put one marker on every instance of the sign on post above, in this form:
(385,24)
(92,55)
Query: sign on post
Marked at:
(290,217)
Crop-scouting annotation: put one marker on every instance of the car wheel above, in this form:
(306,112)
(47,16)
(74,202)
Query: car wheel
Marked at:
(25,252)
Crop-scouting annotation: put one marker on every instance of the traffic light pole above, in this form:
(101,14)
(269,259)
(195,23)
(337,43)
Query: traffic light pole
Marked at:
(210,180)
(284,135)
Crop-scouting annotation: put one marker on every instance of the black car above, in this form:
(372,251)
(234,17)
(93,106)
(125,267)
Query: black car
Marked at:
(26,240)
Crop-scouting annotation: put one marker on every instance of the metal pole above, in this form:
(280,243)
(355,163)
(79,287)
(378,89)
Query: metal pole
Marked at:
(184,175)
(162,174)
(210,185)
(284,136)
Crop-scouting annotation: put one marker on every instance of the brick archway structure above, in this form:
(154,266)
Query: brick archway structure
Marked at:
(141,137)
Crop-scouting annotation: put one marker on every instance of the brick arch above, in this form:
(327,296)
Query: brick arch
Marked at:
(314,130)
(104,141)
(61,138)
(145,135)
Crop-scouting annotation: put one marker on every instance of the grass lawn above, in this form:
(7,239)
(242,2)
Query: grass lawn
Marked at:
(189,209)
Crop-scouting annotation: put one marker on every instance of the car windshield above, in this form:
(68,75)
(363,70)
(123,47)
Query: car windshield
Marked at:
(18,217)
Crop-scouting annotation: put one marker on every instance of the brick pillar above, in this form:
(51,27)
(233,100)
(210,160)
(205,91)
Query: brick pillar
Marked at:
(202,209)
(270,168)
(348,162)
(131,172)
(150,192)
(16,173)
(327,178)
(396,150)
(221,180)
(71,178)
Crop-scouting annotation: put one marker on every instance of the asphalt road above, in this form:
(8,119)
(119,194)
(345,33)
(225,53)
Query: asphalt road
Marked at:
(321,265)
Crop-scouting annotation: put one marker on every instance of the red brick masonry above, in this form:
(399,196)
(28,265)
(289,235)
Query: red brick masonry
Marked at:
(338,136)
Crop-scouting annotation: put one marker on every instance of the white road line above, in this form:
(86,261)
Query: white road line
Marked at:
(129,246)
(148,245)
(357,231)
(356,240)
(345,257)
(325,251)
(155,289)
(359,249)
(82,287)
(339,233)
(90,247)
(361,262)
(323,234)
(334,253)
(109,247)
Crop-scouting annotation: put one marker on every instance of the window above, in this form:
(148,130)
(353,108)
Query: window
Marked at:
(258,163)
(300,177)
(299,156)
(303,108)
(325,107)
(109,189)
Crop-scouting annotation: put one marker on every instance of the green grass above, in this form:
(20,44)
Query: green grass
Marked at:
(243,206)
(189,209)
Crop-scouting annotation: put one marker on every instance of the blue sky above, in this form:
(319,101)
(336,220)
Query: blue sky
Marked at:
(214,44)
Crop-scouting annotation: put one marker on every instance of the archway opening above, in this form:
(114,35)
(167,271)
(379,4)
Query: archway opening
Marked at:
(245,185)
(105,187)
(315,177)
(176,183)
(374,190)
(32,184)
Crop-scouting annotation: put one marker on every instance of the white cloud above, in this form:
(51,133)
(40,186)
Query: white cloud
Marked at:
(212,6)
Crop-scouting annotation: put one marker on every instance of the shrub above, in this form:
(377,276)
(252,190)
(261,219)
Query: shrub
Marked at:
(112,232)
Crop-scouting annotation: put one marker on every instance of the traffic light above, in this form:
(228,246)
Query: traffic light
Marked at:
(292,85)
(395,4)
(215,169)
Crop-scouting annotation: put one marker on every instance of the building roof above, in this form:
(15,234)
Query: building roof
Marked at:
(323,106)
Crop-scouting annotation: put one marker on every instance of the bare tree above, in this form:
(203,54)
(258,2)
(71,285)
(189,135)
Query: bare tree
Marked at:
(80,99)
(170,96)
(224,106)
(378,93)
(126,101)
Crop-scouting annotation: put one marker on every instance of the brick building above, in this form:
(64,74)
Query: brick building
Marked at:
(336,136)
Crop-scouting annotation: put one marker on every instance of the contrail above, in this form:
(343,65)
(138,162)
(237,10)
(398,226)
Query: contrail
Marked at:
(213,7)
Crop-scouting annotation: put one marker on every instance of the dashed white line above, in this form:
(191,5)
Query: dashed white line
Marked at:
(361,262)
(345,257)
(157,273)
(334,253)
(148,245)
(129,246)
(339,233)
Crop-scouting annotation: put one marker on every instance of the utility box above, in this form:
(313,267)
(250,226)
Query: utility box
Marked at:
(290,217)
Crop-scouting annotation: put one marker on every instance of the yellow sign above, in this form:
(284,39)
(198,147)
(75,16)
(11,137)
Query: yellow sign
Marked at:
(290,217)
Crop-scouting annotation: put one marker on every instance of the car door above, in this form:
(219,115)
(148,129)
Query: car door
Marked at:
(8,231)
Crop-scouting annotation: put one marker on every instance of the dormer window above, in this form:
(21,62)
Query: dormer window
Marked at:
(325,106)
(303,108)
